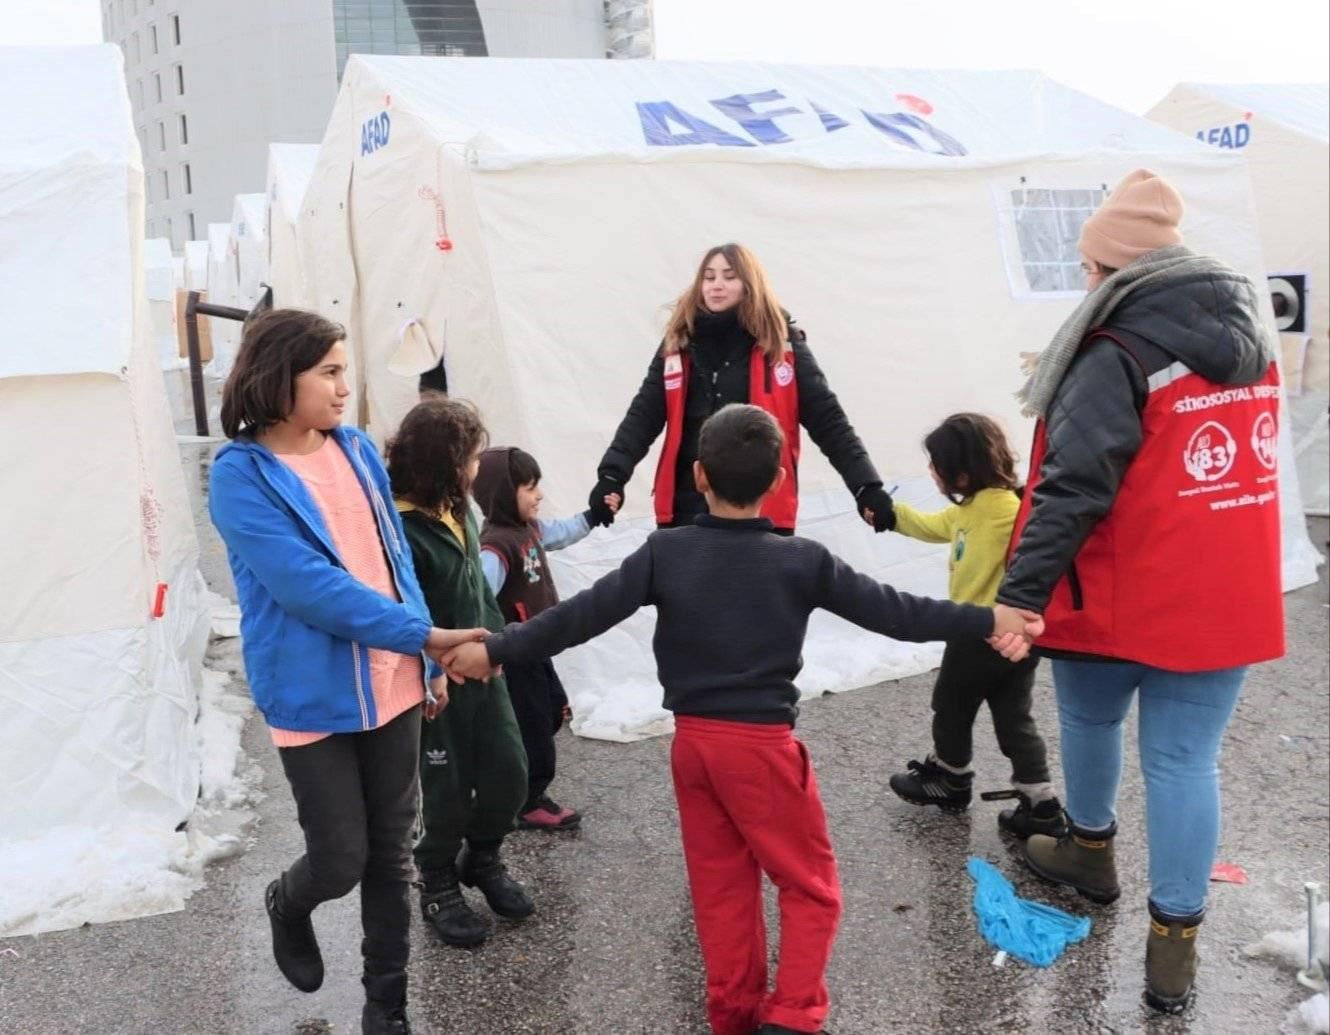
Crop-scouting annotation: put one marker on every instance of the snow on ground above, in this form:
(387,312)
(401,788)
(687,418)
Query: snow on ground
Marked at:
(1289,947)
(72,876)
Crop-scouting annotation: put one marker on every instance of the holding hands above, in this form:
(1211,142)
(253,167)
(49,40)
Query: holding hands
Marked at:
(1014,630)
(469,661)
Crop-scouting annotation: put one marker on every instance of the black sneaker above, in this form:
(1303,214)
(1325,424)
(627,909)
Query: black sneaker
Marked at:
(294,946)
(1027,818)
(383,1019)
(445,910)
(482,868)
(927,783)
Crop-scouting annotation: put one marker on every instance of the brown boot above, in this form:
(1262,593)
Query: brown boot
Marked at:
(1080,859)
(1170,960)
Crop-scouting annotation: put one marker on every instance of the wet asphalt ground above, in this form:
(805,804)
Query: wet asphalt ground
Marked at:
(611,947)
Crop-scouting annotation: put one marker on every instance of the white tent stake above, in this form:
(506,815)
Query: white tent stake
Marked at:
(1313,975)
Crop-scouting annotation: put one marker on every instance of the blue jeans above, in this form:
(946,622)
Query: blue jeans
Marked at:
(1182,718)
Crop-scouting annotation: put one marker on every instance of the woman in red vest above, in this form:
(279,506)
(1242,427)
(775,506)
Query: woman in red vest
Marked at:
(1149,541)
(729,341)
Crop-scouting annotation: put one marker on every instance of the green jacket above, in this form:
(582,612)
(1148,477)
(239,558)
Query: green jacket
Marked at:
(449,573)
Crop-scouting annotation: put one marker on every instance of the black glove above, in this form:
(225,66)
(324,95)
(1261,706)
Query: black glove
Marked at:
(878,500)
(600,511)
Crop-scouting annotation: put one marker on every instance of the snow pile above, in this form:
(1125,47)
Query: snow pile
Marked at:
(225,617)
(1289,947)
(72,876)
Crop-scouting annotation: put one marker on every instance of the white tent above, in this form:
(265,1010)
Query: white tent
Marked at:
(196,266)
(223,289)
(102,619)
(531,219)
(290,167)
(159,284)
(246,255)
(1283,131)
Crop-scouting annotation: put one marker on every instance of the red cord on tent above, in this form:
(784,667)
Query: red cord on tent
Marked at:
(442,242)
(159,601)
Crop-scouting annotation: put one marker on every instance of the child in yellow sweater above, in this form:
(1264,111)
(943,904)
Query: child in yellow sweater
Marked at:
(974,467)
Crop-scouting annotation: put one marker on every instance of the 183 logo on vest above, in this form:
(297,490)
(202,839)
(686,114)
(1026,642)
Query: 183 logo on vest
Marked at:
(1265,440)
(1210,452)
(784,374)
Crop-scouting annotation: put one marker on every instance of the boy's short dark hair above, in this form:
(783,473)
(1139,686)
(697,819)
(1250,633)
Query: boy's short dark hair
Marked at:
(522,468)
(739,448)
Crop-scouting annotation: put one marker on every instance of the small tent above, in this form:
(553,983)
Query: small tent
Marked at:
(102,620)
(195,279)
(1283,130)
(159,283)
(529,221)
(246,279)
(222,290)
(290,167)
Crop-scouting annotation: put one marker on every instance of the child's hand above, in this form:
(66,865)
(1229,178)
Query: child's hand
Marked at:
(441,641)
(1014,630)
(468,661)
(439,688)
(614,501)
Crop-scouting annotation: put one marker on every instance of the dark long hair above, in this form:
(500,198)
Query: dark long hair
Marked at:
(429,456)
(277,348)
(970,453)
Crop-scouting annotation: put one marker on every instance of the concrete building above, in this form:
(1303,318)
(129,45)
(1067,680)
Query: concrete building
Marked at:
(213,83)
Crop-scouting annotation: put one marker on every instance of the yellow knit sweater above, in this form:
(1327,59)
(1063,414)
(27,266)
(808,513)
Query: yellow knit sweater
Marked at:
(979,531)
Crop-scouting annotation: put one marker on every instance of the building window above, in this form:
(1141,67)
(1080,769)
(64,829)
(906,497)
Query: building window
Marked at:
(175,28)
(166,185)
(134,50)
(157,82)
(138,92)
(1048,227)
(180,80)
(192,234)
(189,178)
(184,130)
(161,136)
(152,29)
(168,235)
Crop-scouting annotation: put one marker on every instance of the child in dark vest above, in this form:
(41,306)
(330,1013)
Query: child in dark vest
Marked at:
(513,546)
(973,466)
(472,766)
(732,603)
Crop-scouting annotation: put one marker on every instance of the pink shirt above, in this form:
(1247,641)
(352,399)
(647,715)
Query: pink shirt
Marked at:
(397,681)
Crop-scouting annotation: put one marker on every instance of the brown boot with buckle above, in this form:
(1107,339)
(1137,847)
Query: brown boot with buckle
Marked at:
(1081,859)
(1170,960)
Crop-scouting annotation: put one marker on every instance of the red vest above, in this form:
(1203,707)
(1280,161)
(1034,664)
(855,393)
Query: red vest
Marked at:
(1183,573)
(776,390)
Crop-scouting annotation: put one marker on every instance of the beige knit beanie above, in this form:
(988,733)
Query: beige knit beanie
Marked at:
(1140,216)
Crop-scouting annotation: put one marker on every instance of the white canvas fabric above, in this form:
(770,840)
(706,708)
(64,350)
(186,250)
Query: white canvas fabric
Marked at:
(290,167)
(536,218)
(1283,132)
(97,696)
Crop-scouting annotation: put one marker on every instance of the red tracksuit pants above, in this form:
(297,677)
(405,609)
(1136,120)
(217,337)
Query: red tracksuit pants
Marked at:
(748,805)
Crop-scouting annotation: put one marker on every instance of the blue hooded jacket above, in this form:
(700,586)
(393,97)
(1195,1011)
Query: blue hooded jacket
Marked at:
(305,620)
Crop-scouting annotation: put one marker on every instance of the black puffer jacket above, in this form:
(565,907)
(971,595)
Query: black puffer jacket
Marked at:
(719,376)
(1093,427)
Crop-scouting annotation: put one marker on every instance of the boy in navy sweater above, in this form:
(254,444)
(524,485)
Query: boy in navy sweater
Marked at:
(733,601)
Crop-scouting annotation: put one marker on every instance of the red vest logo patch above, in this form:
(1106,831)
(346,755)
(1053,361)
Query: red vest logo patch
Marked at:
(1210,452)
(1265,440)
(784,373)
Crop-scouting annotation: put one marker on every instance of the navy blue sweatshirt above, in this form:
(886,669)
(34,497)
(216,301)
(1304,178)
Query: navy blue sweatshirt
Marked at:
(732,602)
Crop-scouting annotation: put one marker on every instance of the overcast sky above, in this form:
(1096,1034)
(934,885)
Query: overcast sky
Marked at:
(1127,52)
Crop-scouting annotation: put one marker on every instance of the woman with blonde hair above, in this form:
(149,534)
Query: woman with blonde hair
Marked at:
(729,341)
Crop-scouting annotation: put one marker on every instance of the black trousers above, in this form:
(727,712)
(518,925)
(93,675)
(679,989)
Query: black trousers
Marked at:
(972,673)
(538,702)
(357,796)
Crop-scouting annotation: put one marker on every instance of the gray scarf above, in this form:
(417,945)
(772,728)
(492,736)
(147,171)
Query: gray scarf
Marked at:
(1047,368)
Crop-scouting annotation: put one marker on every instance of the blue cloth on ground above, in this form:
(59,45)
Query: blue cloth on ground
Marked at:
(1030,931)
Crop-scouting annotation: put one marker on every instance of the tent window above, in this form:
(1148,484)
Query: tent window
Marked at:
(1048,227)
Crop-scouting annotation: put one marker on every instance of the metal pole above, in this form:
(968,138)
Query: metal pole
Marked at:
(192,307)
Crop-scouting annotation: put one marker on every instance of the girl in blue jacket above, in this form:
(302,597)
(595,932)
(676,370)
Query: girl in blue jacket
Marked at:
(337,642)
